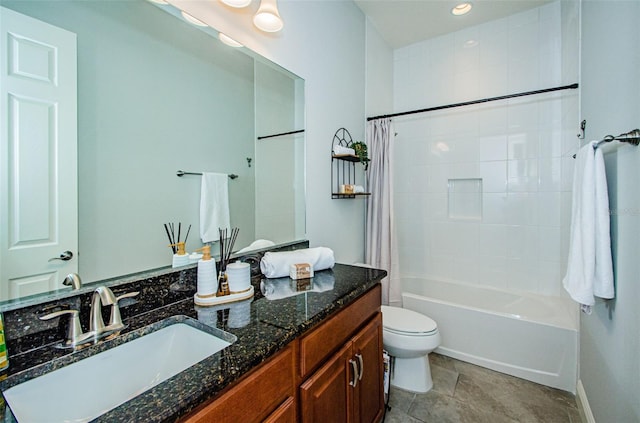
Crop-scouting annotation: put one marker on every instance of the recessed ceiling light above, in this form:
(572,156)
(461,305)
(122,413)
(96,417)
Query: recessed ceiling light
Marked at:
(461,9)
(187,17)
(228,40)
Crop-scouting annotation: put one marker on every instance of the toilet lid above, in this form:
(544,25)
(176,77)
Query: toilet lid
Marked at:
(407,321)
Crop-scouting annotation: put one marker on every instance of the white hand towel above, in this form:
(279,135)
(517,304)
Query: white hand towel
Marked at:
(214,205)
(589,268)
(339,150)
(276,265)
(603,280)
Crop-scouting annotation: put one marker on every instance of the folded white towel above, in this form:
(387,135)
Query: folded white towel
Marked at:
(276,264)
(214,205)
(338,149)
(589,268)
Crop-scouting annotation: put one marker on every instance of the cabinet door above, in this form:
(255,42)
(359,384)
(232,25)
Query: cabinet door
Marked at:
(327,396)
(369,395)
(254,398)
(286,413)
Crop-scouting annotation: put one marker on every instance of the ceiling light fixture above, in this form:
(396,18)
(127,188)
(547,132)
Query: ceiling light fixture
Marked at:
(267,17)
(187,17)
(237,3)
(470,43)
(461,9)
(163,2)
(228,40)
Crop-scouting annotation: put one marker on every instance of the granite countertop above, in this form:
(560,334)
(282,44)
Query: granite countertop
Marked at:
(262,327)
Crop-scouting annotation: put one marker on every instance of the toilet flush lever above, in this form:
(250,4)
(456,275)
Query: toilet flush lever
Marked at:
(354,365)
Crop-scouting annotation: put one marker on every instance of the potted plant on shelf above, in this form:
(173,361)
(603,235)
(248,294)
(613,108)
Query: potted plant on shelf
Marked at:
(361,151)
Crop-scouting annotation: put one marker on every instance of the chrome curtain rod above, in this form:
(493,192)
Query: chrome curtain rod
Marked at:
(281,134)
(468,103)
(180,173)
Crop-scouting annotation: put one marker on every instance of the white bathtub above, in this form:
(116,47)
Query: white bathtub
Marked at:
(525,335)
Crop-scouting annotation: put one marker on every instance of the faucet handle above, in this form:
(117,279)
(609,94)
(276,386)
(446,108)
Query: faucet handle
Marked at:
(74,330)
(127,295)
(115,321)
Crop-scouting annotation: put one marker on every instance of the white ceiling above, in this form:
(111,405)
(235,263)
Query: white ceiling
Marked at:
(404,22)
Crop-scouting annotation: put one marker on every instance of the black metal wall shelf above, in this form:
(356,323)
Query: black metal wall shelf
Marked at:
(343,167)
(336,195)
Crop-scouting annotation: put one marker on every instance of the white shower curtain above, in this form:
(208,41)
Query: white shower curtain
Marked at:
(381,249)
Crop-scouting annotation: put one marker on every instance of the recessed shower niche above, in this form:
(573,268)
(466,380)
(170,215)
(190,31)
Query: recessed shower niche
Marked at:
(465,199)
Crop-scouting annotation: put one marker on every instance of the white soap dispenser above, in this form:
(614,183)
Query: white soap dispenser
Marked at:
(207,278)
(181,258)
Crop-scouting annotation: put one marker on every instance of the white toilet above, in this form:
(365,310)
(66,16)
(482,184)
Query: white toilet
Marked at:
(409,337)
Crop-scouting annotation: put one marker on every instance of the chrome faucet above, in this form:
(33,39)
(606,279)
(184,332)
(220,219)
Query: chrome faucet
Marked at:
(73,280)
(101,296)
(75,337)
(104,296)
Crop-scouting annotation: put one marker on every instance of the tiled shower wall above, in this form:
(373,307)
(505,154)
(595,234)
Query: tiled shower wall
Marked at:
(483,193)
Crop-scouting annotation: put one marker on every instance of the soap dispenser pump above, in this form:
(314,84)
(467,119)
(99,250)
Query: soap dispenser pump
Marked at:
(181,258)
(207,280)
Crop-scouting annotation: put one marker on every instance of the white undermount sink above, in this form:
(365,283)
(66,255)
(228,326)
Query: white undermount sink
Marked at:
(90,387)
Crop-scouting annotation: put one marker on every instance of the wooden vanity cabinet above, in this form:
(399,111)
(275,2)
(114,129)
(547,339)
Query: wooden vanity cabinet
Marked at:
(333,374)
(341,365)
(348,387)
(267,394)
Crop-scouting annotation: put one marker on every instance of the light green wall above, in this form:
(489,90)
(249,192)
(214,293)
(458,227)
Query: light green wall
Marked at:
(276,158)
(154,95)
(609,337)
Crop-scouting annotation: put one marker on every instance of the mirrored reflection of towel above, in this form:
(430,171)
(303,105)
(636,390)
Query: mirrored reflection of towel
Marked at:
(276,264)
(589,268)
(277,289)
(214,205)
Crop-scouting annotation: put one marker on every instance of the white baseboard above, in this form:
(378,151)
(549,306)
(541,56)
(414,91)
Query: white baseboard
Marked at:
(583,404)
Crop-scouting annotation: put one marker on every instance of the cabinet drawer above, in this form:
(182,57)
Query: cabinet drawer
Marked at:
(256,396)
(286,413)
(328,337)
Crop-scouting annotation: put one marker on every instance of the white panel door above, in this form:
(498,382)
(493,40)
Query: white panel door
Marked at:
(38,155)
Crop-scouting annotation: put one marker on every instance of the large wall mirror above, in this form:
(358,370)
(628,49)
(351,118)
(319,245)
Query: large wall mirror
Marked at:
(157,94)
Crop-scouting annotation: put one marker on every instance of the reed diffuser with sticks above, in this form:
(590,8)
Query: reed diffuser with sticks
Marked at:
(180,256)
(227,240)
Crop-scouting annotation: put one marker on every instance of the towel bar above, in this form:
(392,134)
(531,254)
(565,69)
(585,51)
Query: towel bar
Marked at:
(631,137)
(181,173)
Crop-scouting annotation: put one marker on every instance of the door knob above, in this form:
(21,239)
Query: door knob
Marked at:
(65,256)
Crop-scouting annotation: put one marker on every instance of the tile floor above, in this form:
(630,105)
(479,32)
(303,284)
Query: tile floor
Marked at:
(463,392)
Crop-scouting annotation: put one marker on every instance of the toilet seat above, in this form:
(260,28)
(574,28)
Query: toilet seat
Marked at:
(407,322)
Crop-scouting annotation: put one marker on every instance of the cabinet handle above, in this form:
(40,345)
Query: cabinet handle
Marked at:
(355,379)
(361,372)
